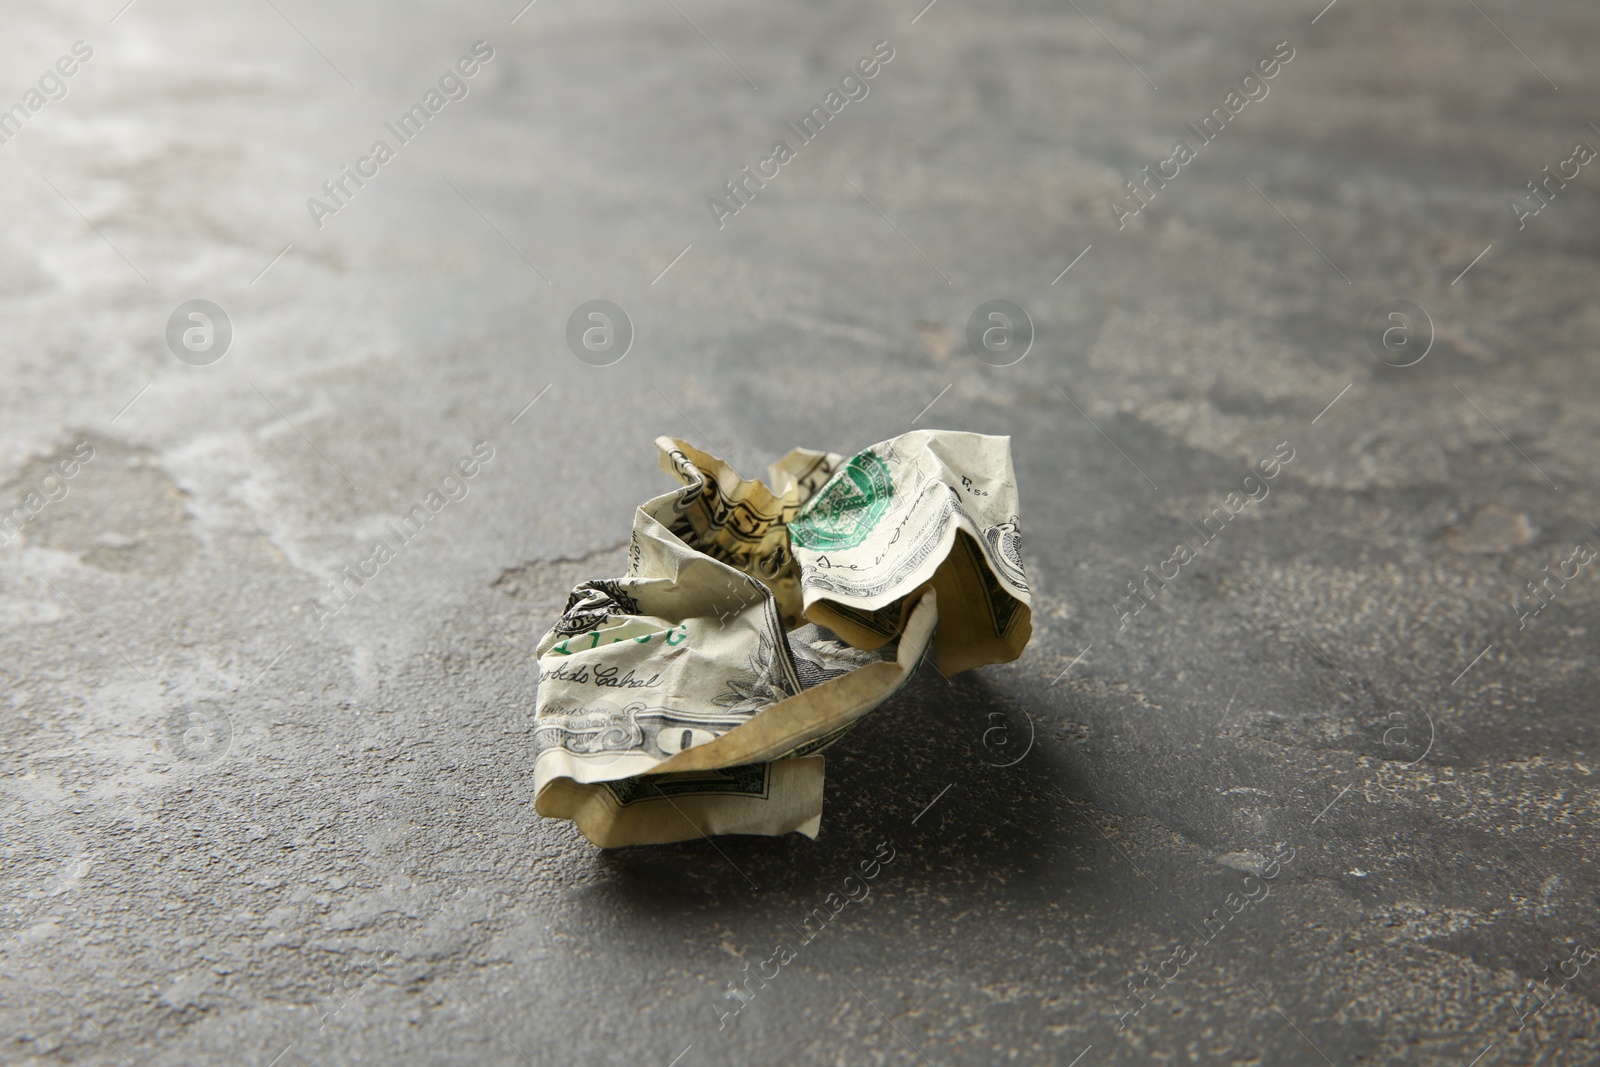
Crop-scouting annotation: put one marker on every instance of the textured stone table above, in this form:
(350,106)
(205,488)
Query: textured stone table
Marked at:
(1322,793)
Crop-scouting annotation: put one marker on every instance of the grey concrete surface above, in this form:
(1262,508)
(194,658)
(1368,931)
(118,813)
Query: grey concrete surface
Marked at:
(233,835)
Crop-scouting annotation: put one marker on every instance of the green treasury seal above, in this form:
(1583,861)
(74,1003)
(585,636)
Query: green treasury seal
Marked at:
(845,510)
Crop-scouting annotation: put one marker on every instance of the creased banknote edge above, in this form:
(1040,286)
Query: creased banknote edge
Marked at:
(815,712)
(937,554)
(768,496)
(794,804)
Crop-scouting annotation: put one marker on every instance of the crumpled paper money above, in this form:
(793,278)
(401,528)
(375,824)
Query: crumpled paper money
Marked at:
(758,621)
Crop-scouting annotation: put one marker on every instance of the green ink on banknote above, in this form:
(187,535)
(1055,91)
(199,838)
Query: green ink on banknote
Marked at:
(845,510)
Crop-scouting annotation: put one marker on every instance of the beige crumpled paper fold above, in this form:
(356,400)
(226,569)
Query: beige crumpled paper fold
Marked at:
(757,622)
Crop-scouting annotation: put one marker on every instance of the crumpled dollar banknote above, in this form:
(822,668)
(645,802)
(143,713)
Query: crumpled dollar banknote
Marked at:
(759,620)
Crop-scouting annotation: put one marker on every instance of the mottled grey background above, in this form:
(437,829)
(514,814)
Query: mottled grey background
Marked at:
(231,836)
